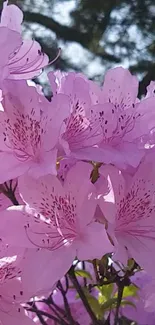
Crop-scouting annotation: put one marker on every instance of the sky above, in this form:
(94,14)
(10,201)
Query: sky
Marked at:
(75,52)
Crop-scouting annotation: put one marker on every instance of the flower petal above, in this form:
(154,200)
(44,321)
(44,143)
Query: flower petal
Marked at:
(95,243)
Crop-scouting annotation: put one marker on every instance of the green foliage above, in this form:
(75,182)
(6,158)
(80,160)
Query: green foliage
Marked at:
(83,274)
(130,291)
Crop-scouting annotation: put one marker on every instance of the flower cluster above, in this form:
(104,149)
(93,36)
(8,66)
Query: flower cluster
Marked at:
(77,176)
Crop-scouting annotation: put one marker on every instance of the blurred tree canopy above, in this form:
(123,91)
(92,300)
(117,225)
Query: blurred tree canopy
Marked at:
(95,35)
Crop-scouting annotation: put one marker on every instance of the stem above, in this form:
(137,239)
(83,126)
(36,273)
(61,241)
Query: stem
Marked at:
(50,302)
(57,314)
(95,271)
(43,313)
(119,299)
(84,279)
(41,319)
(82,296)
(66,304)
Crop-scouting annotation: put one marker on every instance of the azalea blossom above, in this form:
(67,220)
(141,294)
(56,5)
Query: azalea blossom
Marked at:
(24,59)
(77,182)
(130,121)
(81,132)
(107,124)
(129,207)
(12,293)
(29,132)
(58,219)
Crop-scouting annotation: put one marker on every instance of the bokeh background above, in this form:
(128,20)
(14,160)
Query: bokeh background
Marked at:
(94,35)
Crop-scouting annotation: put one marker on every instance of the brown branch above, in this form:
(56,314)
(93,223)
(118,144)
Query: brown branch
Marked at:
(64,32)
(69,34)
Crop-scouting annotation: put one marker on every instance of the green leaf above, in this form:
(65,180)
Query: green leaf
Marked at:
(127,302)
(107,290)
(109,304)
(94,304)
(130,291)
(83,274)
(130,264)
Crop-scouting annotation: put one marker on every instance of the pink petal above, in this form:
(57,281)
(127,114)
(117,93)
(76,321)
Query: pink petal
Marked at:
(19,98)
(111,190)
(141,245)
(11,167)
(46,165)
(78,89)
(144,121)
(122,254)
(91,247)
(83,191)
(120,87)
(42,265)
(13,291)
(28,61)
(130,153)
(80,171)
(17,217)
(37,192)
(57,79)
(135,220)
(64,167)
(58,111)
(11,17)
(14,314)
(102,153)
(9,42)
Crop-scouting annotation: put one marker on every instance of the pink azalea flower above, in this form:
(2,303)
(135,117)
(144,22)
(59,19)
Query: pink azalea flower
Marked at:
(107,124)
(58,219)
(28,121)
(130,210)
(81,131)
(26,60)
(129,119)
(12,293)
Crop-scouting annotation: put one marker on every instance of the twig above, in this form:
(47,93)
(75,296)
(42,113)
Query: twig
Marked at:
(82,296)
(84,279)
(95,270)
(66,304)
(119,299)
(43,313)
(57,314)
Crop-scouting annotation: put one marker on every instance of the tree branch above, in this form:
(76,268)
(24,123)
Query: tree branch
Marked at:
(69,34)
(64,32)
